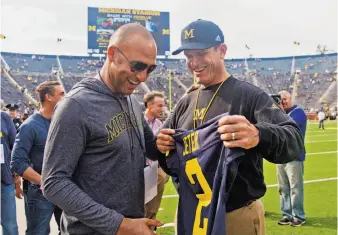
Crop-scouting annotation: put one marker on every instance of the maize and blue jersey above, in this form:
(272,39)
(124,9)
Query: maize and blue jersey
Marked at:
(206,171)
(280,140)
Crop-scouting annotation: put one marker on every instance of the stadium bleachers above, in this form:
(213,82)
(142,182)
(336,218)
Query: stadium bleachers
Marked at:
(313,75)
(30,63)
(80,64)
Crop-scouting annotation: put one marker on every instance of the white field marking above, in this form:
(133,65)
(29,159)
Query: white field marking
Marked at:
(168,225)
(275,185)
(319,153)
(170,196)
(323,131)
(321,135)
(317,123)
(307,181)
(269,186)
(161,209)
(320,141)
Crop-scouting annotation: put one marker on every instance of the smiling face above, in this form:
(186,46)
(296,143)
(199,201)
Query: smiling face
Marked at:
(122,75)
(206,65)
(156,106)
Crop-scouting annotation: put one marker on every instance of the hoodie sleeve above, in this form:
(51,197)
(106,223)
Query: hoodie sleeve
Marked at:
(280,139)
(67,138)
(152,151)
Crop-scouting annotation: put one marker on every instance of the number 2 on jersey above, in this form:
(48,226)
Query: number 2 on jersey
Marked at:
(192,167)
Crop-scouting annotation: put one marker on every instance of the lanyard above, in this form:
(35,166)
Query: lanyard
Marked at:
(210,102)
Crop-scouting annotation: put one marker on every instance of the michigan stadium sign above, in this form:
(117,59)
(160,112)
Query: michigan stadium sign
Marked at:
(102,22)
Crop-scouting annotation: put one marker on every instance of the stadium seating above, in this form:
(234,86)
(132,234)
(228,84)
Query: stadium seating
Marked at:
(314,76)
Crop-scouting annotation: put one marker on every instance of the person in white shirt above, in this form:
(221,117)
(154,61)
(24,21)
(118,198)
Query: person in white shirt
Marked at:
(321,118)
(155,105)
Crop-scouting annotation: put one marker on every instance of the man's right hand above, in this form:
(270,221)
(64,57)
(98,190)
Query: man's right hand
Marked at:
(18,191)
(165,141)
(17,184)
(138,226)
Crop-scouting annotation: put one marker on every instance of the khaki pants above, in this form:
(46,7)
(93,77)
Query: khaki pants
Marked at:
(248,220)
(151,208)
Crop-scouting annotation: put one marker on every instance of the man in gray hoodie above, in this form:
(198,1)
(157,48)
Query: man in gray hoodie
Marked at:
(97,143)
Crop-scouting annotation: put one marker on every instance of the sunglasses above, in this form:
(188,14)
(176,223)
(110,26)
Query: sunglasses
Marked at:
(138,66)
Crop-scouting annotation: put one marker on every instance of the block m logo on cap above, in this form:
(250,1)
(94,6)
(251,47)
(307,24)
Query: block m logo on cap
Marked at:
(189,34)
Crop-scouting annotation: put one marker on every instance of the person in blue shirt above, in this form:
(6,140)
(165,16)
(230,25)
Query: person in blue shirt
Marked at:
(27,158)
(8,206)
(12,111)
(290,175)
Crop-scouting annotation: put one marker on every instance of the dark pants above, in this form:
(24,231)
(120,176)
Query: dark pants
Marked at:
(321,124)
(25,184)
(39,212)
(57,216)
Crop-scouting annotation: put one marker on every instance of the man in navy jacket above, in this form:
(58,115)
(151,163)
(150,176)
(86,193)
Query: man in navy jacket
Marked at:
(290,175)
(8,206)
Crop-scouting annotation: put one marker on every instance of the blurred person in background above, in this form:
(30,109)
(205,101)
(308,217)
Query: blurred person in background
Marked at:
(27,159)
(8,180)
(155,106)
(290,175)
(12,111)
(321,119)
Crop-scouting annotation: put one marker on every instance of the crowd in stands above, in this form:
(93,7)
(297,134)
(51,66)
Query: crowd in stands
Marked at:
(313,78)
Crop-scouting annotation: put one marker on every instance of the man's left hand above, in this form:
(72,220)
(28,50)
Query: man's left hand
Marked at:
(237,131)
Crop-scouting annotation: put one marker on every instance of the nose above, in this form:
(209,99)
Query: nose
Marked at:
(142,76)
(194,62)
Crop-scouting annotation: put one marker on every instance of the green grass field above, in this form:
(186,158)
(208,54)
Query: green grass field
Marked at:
(320,192)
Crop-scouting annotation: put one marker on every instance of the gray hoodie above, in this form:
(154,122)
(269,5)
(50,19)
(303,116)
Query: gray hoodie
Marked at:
(94,159)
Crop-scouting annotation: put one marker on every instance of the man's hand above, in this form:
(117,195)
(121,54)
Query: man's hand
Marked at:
(237,131)
(138,226)
(18,190)
(164,141)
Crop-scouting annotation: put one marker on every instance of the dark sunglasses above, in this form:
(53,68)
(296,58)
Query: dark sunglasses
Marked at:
(138,66)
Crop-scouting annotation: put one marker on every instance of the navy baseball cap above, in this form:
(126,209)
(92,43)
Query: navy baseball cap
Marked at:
(200,35)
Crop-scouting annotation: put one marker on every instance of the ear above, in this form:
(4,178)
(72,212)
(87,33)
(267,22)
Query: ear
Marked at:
(48,97)
(111,53)
(223,48)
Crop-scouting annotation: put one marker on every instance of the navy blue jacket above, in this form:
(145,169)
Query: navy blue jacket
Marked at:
(30,144)
(7,134)
(299,116)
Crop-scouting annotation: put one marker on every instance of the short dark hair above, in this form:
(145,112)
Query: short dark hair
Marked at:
(149,97)
(47,87)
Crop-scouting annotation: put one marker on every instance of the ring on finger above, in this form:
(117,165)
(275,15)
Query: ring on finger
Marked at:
(233,134)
